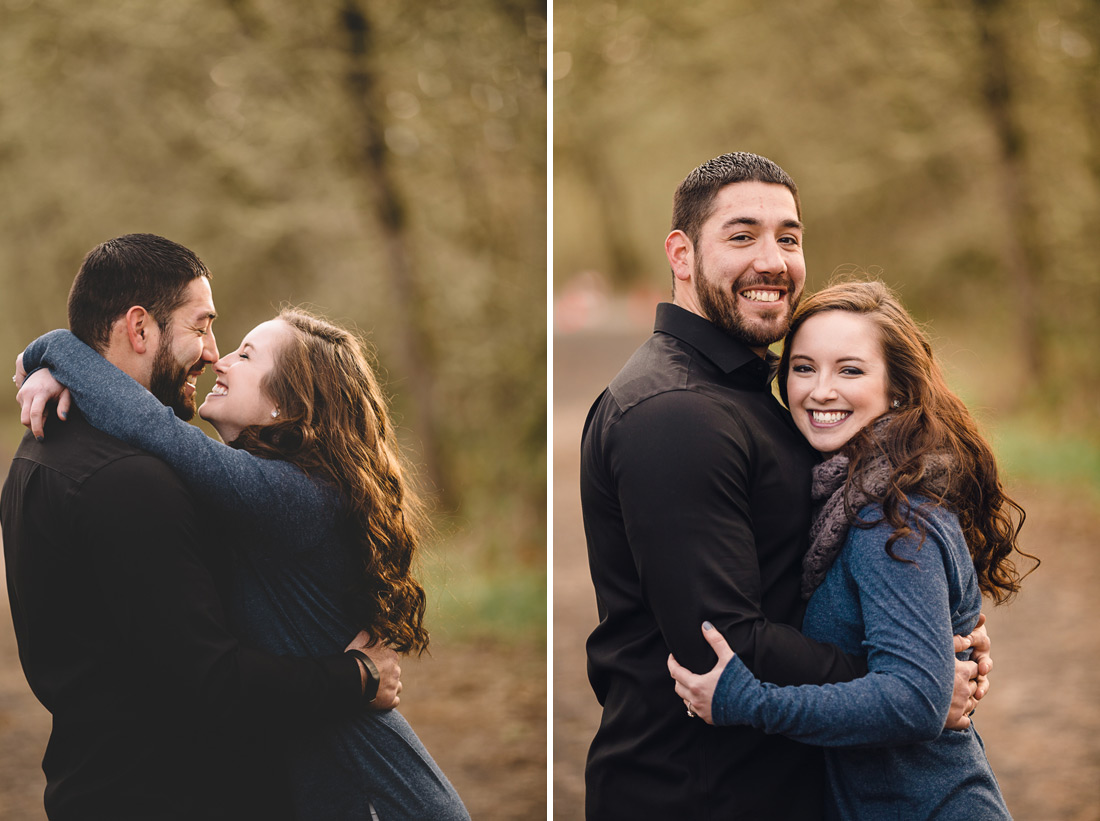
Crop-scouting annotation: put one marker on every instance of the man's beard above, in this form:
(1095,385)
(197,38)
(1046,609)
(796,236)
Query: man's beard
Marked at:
(168,381)
(722,308)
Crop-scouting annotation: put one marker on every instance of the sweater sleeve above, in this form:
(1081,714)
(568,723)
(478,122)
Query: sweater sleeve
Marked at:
(906,695)
(266,490)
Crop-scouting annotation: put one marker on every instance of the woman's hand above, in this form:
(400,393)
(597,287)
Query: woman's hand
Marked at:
(36,392)
(698,691)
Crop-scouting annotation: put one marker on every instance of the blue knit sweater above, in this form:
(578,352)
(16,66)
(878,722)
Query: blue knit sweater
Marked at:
(288,590)
(887,752)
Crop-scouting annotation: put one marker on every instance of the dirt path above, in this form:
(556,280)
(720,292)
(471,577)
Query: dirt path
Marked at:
(480,708)
(1041,724)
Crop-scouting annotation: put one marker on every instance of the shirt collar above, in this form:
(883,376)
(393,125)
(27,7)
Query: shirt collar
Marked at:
(726,352)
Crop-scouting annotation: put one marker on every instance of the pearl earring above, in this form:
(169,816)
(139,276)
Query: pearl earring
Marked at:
(275,414)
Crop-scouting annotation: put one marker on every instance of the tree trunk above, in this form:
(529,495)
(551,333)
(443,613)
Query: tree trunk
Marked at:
(1020,250)
(385,201)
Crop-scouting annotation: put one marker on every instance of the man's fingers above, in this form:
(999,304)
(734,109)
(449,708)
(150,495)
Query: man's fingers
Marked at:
(962,643)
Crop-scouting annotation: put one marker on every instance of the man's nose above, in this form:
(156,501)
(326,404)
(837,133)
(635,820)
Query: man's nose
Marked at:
(210,347)
(769,258)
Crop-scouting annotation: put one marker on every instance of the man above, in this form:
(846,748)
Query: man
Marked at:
(695,488)
(117,597)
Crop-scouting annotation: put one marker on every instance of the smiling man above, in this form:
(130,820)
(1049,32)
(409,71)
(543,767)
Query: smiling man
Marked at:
(695,488)
(118,596)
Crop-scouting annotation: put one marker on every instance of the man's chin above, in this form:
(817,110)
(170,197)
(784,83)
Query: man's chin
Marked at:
(184,408)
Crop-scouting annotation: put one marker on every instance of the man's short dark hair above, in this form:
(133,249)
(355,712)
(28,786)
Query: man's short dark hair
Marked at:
(135,269)
(693,201)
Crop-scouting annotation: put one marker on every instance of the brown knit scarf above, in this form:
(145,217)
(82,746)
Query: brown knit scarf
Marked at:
(835,495)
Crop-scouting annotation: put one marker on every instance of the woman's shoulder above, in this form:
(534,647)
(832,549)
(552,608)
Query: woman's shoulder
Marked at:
(930,523)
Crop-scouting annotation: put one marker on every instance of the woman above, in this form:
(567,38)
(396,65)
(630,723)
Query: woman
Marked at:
(311,491)
(912,528)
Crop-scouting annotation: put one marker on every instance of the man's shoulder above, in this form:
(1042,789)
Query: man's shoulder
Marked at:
(670,373)
(77,453)
(661,365)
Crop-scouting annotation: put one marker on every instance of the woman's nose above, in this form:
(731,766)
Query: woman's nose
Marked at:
(823,390)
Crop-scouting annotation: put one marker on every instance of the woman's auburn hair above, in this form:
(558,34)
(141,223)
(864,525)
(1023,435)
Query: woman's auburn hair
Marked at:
(334,424)
(929,420)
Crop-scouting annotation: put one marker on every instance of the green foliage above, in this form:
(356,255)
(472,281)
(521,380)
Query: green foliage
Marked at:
(1029,450)
(468,600)
(232,127)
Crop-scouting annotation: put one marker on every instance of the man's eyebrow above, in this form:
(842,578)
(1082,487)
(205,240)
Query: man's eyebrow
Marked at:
(732,221)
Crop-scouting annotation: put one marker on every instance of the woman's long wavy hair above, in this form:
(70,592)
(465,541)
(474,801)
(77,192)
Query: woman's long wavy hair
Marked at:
(930,419)
(334,425)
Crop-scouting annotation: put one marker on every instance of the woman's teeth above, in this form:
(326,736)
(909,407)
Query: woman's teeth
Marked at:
(829,417)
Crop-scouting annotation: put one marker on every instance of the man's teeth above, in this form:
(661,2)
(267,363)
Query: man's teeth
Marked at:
(829,417)
(219,390)
(761,296)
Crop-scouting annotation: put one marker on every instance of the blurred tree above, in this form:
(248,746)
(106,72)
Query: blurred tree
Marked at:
(1020,251)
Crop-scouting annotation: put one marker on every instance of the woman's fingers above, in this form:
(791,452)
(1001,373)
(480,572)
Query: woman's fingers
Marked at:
(717,643)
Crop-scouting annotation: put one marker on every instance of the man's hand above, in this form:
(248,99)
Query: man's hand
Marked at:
(389,671)
(36,392)
(971,677)
(698,691)
(980,648)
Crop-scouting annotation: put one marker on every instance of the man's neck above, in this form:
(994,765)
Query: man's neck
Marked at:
(120,354)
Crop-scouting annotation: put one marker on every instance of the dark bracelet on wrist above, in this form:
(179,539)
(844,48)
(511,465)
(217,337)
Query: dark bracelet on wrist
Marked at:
(373,678)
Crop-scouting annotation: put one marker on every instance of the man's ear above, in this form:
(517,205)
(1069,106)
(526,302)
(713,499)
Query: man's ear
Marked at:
(140,328)
(681,255)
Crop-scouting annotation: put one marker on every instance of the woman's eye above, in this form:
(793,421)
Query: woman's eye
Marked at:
(851,371)
(801,369)
(242,356)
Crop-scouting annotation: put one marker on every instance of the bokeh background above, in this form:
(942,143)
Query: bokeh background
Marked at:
(953,149)
(384,163)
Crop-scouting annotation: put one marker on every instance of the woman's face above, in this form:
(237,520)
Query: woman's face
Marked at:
(837,383)
(237,401)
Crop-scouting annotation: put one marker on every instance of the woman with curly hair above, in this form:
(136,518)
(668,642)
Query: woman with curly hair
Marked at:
(912,527)
(310,488)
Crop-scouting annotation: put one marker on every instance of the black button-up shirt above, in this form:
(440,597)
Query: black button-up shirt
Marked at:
(116,599)
(695,487)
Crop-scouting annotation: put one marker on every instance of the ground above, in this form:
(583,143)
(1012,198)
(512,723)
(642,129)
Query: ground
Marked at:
(479,707)
(1041,721)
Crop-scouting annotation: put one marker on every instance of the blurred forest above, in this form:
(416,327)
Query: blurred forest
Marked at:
(384,163)
(954,147)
